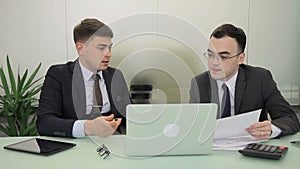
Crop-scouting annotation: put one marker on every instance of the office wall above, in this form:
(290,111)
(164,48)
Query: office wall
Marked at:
(154,40)
(274,42)
(32,31)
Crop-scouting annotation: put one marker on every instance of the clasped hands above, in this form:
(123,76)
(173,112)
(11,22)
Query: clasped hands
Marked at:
(260,130)
(102,126)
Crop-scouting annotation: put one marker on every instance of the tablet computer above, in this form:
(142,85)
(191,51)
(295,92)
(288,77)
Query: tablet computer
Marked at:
(40,146)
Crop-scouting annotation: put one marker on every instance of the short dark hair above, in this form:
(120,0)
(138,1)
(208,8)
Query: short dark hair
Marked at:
(232,31)
(90,27)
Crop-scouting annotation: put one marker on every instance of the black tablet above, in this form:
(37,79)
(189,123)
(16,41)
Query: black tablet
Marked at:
(40,146)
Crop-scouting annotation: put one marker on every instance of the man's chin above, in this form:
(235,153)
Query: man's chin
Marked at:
(103,67)
(217,76)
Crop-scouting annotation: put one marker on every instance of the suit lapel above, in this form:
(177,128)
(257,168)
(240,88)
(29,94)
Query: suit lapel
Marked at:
(239,89)
(107,78)
(78,91)
(215,95)
(212,92)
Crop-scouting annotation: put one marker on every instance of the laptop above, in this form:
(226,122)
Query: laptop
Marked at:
(170,129)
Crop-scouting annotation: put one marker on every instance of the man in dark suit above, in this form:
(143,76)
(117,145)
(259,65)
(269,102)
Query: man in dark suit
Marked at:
(246,88)
(69,105)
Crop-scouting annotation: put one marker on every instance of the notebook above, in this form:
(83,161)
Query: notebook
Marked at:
(170,129)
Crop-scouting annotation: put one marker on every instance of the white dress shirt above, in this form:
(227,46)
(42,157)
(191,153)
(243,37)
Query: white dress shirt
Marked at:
(78,127)
(231,86)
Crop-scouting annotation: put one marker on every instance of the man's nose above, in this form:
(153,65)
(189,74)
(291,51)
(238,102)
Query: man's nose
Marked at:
(108,54)
(215,60)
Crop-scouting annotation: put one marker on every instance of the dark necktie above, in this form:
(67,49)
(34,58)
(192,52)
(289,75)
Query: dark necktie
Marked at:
(98,102)
(225,109)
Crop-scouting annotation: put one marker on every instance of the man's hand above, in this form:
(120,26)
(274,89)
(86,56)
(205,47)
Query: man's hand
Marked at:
(260,130)
(102,126)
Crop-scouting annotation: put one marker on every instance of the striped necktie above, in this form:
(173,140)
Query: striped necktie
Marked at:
(97,101)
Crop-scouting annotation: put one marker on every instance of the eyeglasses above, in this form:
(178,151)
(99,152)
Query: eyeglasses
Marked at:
(103,150)
(211,56)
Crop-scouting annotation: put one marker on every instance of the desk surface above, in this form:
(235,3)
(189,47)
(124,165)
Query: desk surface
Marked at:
(84,155)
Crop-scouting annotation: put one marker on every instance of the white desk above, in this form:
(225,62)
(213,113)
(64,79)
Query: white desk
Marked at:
(84,156)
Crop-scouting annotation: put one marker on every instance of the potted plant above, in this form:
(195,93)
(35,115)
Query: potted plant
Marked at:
(18,104)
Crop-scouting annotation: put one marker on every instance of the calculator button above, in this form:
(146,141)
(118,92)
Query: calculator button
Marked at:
(256,146)
(267,148)
(273,149)
(280,149)
(250,146)
(261,148)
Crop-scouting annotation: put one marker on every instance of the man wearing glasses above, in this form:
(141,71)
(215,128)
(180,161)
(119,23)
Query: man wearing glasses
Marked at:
(238,88)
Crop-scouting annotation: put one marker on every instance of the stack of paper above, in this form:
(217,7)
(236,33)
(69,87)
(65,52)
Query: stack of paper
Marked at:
(230,133)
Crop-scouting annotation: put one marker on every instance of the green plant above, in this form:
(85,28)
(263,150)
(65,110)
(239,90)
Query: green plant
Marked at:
(18,105)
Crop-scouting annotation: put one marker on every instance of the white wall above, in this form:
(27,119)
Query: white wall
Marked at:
(33,31)
(175,32)
(274,42)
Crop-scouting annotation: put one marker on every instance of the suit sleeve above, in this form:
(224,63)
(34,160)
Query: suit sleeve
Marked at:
(194,92)
(52,119)
(280,111)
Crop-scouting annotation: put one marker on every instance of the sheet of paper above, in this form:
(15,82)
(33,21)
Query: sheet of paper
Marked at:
(230,133)
(235,125)
(234,143)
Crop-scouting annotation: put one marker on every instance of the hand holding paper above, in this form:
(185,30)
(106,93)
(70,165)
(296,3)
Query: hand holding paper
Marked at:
(231,131)
(261,130)
(236,125)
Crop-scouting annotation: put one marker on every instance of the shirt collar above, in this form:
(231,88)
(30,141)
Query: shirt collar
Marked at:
(230,82)
(87,74)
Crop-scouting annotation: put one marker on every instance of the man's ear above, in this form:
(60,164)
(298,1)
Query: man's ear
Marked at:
(242,57)
(80,48)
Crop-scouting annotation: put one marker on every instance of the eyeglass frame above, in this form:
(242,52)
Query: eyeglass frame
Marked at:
(205,54)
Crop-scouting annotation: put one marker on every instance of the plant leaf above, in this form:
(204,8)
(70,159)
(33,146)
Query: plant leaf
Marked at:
(11,77)
(9,116)
(4,129)
(27,130)
(28,83)
(5,84)
(33,91)
(18,105)
(22,82)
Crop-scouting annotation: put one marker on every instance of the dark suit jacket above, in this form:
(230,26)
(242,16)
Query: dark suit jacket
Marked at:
(63,101)
(255,89)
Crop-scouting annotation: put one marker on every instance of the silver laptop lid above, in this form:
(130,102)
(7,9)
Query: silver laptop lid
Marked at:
(170,129)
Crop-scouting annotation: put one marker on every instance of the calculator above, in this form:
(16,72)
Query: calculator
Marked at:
(264,151)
